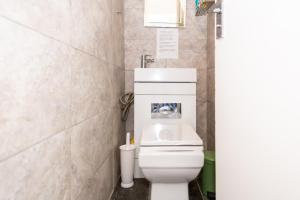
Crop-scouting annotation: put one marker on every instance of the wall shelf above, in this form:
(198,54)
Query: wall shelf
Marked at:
(204,7)
(211,6)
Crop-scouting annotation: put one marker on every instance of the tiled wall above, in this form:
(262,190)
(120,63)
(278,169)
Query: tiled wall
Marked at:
(211,81)
(192,53)
(61,74)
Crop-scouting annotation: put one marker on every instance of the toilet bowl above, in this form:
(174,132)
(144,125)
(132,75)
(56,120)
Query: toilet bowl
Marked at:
(170,156)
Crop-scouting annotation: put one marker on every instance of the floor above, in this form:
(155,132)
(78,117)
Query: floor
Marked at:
(140,191)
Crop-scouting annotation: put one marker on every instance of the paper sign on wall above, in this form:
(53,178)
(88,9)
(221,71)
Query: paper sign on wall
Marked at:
(167,43)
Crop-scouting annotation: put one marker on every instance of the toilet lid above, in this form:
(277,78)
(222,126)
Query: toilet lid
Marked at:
(170,135)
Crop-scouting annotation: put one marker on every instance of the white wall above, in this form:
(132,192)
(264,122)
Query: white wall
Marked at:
(258,101)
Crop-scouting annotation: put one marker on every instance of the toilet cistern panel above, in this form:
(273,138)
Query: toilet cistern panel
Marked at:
(170,135)
(163,95)
(145,114)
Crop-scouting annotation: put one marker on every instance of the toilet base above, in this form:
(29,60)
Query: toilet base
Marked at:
(127,185)
(169,191)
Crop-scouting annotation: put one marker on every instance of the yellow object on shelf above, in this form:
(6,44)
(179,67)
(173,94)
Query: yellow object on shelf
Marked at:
(132,139)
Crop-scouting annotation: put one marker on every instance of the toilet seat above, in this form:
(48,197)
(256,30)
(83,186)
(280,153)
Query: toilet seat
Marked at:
(171,157)
(170,146)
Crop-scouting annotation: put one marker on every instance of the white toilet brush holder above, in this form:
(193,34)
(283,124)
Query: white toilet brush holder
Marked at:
(127,163)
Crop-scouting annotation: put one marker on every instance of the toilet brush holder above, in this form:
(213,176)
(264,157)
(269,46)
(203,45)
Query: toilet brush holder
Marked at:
(127,165)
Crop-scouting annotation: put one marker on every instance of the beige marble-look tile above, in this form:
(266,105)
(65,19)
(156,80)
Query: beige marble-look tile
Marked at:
(118,33)
(211,126)
(100,186)
(201,85)
(115,87)
(133,52)
(134,26)
(91,27)
(193,33)
(91,144)
(116,166)
(189,59)
(35,88)
(129,81)
(118,39)
(130,120)
(51,18)
(211,25)
(189,40)
(211,82)
(211,85)
(135,45)
(41,172)
(91,86)
(210,56)
(118,5)
(211,42)
(202,121)
(118,126)
(202,62)
(129,4)
(118,131)
(105,184)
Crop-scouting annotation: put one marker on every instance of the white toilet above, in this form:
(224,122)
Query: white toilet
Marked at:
(169,153)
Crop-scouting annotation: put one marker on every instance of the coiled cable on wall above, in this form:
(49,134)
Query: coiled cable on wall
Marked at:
(126,101)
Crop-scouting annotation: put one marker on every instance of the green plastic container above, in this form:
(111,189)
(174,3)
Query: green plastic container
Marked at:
(208,176)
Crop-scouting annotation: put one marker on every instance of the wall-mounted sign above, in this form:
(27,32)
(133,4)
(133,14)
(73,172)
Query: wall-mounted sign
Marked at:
(167,43)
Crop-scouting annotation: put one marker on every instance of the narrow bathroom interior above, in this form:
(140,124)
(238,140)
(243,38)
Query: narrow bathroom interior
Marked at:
(64,66)
(171,81)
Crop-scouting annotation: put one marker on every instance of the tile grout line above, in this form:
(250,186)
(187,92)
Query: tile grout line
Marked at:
(57,40)
(50,136)
(31,146)
(70,178)
(107,157)
(46,139)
